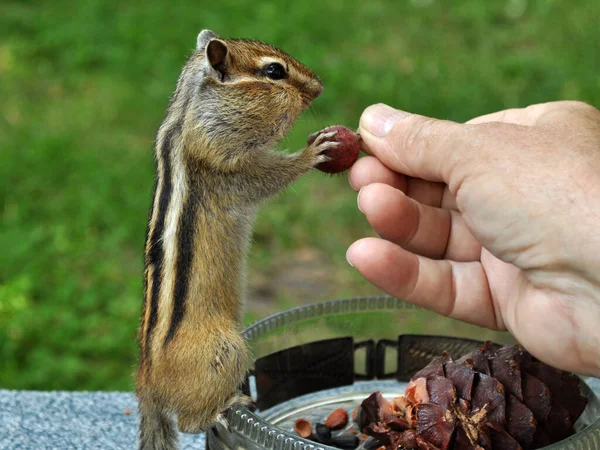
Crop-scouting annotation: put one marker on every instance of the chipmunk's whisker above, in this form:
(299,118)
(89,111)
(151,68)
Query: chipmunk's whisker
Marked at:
(313,111)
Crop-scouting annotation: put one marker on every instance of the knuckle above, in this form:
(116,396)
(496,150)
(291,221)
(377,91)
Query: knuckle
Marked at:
(518,115)
(433,136)
(425,139)
(535,108)
(585,110)
(565,110)
(419,137)
(431,147)
(577,105)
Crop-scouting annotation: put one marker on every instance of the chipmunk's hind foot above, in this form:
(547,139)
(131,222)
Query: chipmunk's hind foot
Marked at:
(240,399)
(201,422)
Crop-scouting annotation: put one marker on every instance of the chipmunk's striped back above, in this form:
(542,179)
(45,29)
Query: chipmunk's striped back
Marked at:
(157,268)
(167,206)
(194,248)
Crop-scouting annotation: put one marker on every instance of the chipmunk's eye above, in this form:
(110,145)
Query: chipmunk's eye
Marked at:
(275,71)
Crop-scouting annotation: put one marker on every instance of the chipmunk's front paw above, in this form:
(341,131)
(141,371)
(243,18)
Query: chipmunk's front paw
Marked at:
(318,143)
(337,146)
(312,137)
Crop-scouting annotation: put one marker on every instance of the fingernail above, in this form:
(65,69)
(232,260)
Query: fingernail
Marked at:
(358,200)
(380,119)
(348,259)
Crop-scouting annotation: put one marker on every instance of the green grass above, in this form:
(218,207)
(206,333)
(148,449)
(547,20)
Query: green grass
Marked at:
(84,86)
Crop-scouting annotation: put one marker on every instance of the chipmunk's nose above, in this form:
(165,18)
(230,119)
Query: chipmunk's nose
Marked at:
(311,90)
(318,88)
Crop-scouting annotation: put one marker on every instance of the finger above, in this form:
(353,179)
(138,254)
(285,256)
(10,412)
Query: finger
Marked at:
(364,148)
(425,230)
(456,289)
(519,116)
(430,193)
(565,115)
(537,114)
(369,170)
(420,147)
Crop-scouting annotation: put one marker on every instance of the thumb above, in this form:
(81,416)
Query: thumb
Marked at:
(415,145)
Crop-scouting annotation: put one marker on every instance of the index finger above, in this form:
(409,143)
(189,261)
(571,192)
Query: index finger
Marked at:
(537,114)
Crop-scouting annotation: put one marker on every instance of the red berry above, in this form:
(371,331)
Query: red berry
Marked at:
(345,155)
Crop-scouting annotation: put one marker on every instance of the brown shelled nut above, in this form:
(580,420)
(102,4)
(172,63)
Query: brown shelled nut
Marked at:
(337,419)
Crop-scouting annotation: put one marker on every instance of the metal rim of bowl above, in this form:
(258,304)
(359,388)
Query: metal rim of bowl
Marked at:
(270,437)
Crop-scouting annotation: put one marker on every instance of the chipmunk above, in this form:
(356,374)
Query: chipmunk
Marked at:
(235,99)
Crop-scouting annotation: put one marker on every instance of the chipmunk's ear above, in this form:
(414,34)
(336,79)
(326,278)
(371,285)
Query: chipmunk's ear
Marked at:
(216,55)
(203,38)
(215,52)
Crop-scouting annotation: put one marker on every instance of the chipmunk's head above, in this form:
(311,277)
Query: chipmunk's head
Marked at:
(242,94)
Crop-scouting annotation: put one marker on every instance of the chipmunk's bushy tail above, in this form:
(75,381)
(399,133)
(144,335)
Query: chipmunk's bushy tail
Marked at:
(157,429)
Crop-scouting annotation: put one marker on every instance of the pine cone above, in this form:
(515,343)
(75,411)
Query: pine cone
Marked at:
(494,399)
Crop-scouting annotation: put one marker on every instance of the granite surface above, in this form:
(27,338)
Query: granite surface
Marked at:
(31,420)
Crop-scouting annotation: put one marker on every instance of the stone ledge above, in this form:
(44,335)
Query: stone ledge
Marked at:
(73,420)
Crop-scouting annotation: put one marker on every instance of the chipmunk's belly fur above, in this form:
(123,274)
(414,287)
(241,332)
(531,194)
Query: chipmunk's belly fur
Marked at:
(198,374)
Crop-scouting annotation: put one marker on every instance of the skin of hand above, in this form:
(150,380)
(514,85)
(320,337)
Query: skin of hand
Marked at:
(495,222)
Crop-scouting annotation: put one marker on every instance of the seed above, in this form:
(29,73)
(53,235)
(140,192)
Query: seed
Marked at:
(337,419)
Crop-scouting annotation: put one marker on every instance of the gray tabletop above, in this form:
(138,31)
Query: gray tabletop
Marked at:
(72,420)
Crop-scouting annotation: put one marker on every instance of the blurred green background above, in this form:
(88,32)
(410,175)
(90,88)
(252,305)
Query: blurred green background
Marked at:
(84,86)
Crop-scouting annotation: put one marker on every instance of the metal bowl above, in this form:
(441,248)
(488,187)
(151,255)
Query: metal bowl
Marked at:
(313,359)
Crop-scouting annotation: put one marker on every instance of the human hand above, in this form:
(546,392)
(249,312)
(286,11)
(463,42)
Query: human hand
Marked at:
(495,222)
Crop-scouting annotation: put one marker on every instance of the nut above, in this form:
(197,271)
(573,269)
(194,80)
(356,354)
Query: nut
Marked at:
(337,419)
